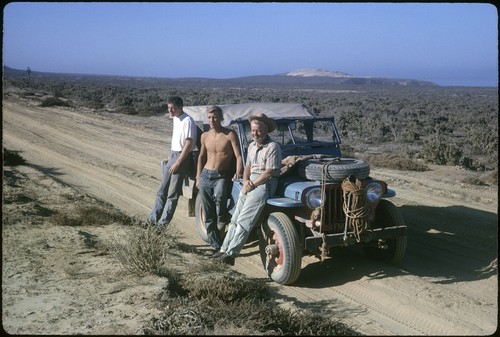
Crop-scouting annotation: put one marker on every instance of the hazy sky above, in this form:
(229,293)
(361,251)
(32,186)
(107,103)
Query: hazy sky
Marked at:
(446,43)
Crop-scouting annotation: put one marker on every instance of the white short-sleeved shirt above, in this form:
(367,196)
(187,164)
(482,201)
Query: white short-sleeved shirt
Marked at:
(183,127)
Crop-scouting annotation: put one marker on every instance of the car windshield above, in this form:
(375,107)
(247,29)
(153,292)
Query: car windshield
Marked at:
(297,136)
(310,132)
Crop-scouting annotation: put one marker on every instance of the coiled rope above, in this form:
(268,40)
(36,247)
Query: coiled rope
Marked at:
(355,207)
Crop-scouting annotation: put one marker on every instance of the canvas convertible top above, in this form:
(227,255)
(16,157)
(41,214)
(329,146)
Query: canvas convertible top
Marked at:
(233,112)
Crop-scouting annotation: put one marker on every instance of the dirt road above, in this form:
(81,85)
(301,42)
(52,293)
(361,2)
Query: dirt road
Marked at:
(447,284)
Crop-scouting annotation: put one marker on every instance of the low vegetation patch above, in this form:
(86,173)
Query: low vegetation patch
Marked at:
(396,162)
(145,251)
(53,101)
(213,300)
(94,215)
(474,181)
(188,316)
(444,125)
(490,178)
(223,304)
(12,158)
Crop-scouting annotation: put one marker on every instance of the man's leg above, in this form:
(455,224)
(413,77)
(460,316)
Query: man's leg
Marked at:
(246,220)
(161,194)
(174,192)
(245,217)
(208,205)
(220,196)
(231,229)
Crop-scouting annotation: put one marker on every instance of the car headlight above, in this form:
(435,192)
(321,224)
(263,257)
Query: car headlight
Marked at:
(373,192)
(313,197)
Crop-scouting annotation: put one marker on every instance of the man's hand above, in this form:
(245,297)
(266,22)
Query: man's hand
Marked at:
(173,168)
(247,187)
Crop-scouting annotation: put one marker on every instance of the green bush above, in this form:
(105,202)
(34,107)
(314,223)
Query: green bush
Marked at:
(440,152)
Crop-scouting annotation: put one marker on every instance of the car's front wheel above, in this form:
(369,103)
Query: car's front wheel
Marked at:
(280,249)
(391,250)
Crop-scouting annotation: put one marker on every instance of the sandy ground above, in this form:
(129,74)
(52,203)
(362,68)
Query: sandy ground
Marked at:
(52,283)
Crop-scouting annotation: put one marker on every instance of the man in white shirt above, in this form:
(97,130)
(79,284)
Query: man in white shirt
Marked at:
(174,170)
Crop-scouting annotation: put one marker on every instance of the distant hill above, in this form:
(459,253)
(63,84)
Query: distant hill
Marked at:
(314,72)
(300,78)
(11,71)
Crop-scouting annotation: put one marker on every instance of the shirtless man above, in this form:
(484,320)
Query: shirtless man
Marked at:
(219,147)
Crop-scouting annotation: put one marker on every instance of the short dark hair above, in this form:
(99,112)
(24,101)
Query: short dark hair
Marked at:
(175,100)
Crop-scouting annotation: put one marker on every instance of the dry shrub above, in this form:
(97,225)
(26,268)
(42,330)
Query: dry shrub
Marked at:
(441,152)
(493,177)
(182,316)
(92,216)
(54,101)
(188,316)
(396,162)
(145,251)
(225,288)
(486,179)
(474,181)
(231,304)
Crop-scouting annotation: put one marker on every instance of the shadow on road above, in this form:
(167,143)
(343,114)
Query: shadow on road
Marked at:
(446,244)
(454,244)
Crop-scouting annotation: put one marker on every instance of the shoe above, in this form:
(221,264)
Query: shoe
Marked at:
(160,228)
(209,253)
(215,255)
(227,259)
(147,223)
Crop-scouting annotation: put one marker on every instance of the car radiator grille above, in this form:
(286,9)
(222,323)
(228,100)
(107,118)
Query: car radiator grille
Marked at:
(333,217)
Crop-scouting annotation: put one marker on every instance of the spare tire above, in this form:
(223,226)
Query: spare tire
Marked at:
(336,169)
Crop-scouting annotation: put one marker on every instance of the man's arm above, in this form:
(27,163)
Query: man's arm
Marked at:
(264,176)
(184,153)
(273,165)
(236,149)
(202,159)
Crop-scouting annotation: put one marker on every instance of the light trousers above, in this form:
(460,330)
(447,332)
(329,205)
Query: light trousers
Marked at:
(246,214)
(169,191)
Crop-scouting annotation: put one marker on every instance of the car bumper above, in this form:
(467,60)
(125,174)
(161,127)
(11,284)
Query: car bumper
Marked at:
(313,243)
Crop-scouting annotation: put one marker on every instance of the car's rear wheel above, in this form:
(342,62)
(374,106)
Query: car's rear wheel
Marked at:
(333,169)
(280,249)
(391,250)
(199,215)
(200,220)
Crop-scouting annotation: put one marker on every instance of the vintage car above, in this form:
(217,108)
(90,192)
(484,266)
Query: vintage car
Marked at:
(323,200)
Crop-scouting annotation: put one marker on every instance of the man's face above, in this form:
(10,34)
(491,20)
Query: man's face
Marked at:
(214,121)
(259,132)
(173,111)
